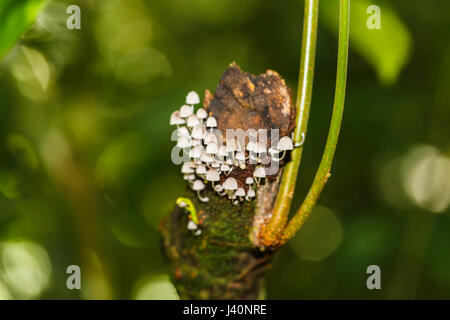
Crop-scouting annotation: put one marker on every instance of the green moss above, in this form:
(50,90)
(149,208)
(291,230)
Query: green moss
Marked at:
(214,264)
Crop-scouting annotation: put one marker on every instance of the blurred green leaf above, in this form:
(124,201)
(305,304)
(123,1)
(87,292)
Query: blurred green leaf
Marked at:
(15,17)
(387,49)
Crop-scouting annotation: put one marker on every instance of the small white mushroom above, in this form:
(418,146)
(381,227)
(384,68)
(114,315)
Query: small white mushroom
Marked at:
(189,177)
(197,132)
(183,142)
(229,186)
(240,158)
(240,194)
(211,123)
(196,152)
(215,164)
(225,168)
(191,225)
(219,189)
(192,98)
(175,118)
(202,114)
(198,186)
(201,170)
(192,121)
(249,181)
(210,138)
(183,132)
(186,111)
(213,176)
(250,194)
(206,158)
(284,145)
(211,148)
(259,173)
(186,168)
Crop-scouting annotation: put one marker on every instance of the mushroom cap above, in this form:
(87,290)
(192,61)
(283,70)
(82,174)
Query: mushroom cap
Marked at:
(240,192)
(186,111)
(175,118)
(192,98)
(198,185)
(240,156)
(191,225)
(259,172)
(224,167)
(230,184)
(249,180)
(285,143)
(206,158)
(210,137)
(197,132)
(222,151)
(211,148)
(211,122)
(183,132)
(251,193)
(183,142)
(202,114)
(201,169)
(213,175)
(196,152)
(189,177)
(186,168)
(192,121)
(215,164)
(218,188)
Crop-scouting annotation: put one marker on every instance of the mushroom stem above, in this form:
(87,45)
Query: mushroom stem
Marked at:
(202,199)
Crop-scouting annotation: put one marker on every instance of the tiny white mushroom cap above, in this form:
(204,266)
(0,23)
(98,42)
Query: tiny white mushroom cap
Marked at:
(183,132)
(211,148)
(222,151)
(218,187)
(249,180)
(211,122)
(192,121)
(202,114)
(285,143)
(197,132)
(189,177)
(186,111)
(198,185)
(224,167)
(191,225)
(240,192)
(210,137)
(240,156)
(192,98)
(201,169)
(251,193)
(186,168)
(213,175)
(206,158)
(259,172)
(196,152)
(175,118)
(230,184)
(183,142)
(215,164)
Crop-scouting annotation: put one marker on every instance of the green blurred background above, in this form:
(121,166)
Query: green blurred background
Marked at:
(85,169)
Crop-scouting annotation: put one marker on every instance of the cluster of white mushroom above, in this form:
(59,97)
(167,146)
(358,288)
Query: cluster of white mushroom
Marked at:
(209,158)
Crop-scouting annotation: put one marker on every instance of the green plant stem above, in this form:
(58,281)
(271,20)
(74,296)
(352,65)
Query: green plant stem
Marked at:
(304,92)
(323,172)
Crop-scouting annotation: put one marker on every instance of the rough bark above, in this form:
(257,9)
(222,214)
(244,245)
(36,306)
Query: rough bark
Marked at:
(228,261)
